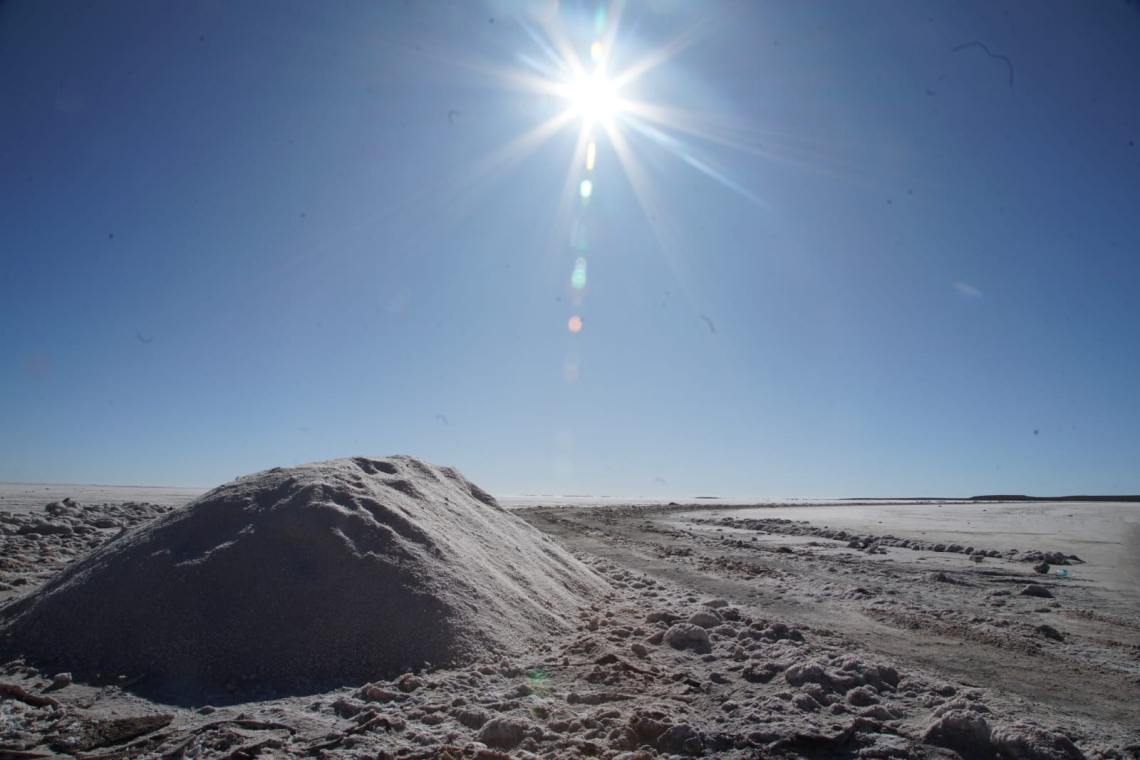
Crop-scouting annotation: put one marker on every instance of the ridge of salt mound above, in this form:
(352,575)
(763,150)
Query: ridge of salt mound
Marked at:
(348,569)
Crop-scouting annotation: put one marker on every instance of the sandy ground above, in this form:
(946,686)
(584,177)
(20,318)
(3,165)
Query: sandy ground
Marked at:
(735,634)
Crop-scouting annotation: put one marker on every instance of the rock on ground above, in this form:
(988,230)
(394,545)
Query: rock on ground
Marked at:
(687,636)
(1025,742)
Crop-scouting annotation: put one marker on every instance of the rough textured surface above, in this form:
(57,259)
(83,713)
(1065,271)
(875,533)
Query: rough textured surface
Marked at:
(34,546)
(1027,742)
(806,664)
(346,569)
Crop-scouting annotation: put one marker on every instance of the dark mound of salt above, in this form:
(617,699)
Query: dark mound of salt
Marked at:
(349,570)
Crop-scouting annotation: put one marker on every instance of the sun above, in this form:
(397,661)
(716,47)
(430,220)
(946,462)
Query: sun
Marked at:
(594,98)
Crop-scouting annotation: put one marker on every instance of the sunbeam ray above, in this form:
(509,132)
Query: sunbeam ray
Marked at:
(657,57)
(769,145)
(470,180)
(678,149)
(562,69)
(488,74)
(658,222)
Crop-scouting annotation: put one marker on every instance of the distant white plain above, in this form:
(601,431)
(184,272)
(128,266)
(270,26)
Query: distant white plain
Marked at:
(1104,534)
(32,497)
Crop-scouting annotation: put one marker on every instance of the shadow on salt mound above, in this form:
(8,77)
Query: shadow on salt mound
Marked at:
(341,571)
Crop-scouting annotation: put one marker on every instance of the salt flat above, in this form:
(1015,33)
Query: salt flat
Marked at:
(721,629)
(31,497)
(1059,647)
(1104,534)
(534,501)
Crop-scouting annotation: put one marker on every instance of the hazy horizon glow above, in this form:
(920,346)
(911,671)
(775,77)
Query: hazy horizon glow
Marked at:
(638,249)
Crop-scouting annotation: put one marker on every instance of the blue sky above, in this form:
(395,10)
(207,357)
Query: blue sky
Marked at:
(829,250)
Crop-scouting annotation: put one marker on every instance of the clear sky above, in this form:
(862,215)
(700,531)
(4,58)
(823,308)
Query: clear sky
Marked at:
(829,248)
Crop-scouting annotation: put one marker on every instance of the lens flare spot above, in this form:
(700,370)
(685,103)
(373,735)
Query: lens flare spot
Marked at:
(967,290)
(574,324)
(596,51)
(570,372)
(540,682)
(591,154)
(600,19)
(578,278)
(586,189)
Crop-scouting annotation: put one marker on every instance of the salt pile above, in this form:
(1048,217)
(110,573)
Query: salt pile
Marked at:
(348,569)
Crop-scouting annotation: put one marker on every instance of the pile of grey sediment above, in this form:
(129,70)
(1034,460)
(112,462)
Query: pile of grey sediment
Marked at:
(873,544)
(297,579)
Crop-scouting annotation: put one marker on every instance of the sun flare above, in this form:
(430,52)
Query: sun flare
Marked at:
(594,98)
